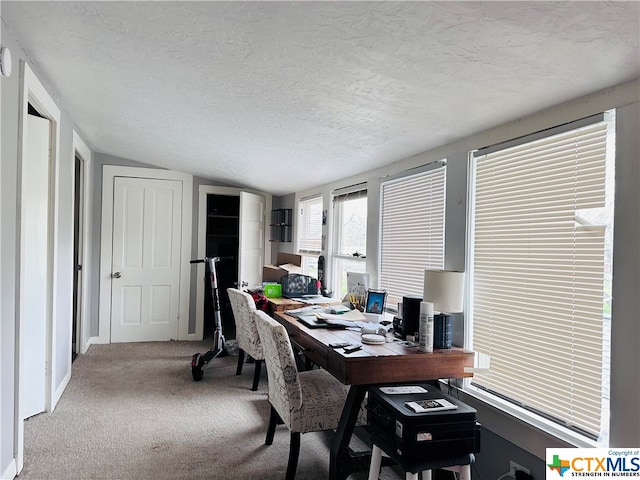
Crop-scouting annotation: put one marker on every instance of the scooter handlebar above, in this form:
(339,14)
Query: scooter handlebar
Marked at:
(215,259)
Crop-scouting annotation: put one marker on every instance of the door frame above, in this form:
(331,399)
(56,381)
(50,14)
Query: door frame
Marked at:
(203,191)
(109,172)
(82,151)
(34,92)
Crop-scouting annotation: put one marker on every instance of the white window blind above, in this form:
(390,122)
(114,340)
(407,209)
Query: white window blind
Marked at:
(412,214)
(537,274)
(310,225)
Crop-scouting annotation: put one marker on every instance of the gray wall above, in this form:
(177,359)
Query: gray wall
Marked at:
(8,175)
(504,438)
(501,442)
(99,160)
(625,324)
(9,252)
(287,201)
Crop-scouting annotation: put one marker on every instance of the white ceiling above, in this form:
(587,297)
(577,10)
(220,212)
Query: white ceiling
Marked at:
(283,96)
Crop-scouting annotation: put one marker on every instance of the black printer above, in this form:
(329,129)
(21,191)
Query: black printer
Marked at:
(423,426)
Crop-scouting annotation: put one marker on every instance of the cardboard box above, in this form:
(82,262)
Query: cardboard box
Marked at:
(285,263)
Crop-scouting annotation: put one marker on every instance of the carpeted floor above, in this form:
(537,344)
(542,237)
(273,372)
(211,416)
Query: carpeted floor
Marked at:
(132,411)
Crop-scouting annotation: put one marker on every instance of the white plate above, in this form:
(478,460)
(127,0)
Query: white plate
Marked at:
(372,339)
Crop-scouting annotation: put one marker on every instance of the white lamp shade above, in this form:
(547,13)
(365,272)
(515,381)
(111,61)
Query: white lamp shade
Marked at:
(445,290)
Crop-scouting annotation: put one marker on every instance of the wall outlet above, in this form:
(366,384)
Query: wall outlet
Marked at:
(513,466)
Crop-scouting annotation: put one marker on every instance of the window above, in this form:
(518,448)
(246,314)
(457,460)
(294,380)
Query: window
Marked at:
(540,273)
(412,211)
(350,237)
(310,233)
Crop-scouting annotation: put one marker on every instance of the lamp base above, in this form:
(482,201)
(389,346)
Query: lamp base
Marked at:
(442,331)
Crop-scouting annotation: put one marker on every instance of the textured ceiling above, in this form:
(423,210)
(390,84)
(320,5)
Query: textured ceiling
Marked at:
(283,96)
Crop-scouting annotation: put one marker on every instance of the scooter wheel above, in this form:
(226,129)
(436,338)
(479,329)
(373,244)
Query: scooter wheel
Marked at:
(197,362)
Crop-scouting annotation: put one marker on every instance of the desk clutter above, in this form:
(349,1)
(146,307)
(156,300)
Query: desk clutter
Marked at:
(340,316)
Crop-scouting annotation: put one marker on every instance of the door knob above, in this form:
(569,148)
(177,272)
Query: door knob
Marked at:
(116,275)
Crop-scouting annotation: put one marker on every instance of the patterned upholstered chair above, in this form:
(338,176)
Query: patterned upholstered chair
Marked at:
(248,339)
(306,401)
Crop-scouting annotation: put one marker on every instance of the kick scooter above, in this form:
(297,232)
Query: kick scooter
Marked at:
(200,361)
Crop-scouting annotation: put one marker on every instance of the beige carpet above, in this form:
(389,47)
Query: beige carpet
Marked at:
(132,411)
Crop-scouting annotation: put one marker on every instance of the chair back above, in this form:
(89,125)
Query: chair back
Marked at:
(285,393)
(247,336)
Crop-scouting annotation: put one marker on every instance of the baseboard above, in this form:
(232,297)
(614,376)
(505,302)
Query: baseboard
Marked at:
(60,390)
(10,472)
(90,341)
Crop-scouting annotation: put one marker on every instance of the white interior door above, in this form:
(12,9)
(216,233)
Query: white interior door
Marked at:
(251,249)
(145,275)
(34,266)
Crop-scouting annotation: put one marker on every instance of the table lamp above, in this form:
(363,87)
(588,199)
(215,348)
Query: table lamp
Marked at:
(445,289)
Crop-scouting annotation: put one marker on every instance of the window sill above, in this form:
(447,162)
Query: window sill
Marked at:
(520,427)
(345,256)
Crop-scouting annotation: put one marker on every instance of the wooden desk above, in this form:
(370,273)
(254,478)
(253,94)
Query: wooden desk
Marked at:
(373,364)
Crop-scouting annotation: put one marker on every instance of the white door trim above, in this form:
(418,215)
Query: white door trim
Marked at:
(203,191)
(34,92)
(109,172)
(81,149)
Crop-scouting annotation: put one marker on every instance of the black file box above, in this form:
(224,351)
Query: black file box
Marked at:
(422,437)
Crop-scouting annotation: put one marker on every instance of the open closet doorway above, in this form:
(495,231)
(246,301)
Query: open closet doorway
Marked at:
(81,245)
(78,211)
(231,223)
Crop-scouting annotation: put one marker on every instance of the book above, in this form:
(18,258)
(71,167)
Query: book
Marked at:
(431,405)
(403,389)
(442,331)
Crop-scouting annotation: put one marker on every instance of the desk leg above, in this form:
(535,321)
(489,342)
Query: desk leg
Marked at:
(343,461)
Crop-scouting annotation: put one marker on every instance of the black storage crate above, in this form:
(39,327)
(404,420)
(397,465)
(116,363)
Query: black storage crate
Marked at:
(295,285)
(422,437)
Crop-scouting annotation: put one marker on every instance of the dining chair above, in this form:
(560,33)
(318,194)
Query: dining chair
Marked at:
(306,401)
(243,306)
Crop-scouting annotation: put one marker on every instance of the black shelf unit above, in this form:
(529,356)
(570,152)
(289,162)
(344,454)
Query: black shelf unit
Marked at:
(281,219)
(222,240)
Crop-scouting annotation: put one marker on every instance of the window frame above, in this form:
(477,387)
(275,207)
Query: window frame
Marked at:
(337,257)
(313,246)
(536,420)
(436,254)
(305,243)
